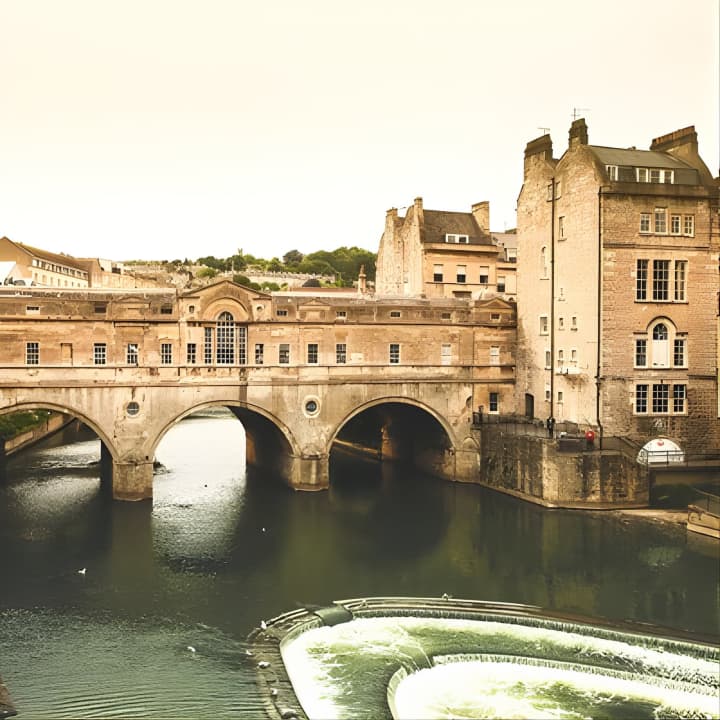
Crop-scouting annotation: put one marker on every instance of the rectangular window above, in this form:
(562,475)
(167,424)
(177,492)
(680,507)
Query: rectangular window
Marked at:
(494,355)
(661,280)
(680,275)
(461,273)
(99,353)
(547,393)
(679,398)
(573,322)
(484,275)
(341,314)
(641,399)
(100,307)
(32,353)
(644,222)
(494,402)
(561,227)
(131,355)
(166,309)
(543,325)
(454,238)
(395,314)
(446,354)
(208,349)
(642,174)
(689,225)
(284,354)
(560,396)
(32,309)
(561,356)
(675,224)
(191,353)
(259,353)
(341,353)
(561,323)
(641,279)
(660,221)
(641,353)
(660,398)
(679,352)
(573,355)
(312,353)
(612,172)
(437,273)
(654,176)
(394,353)
(548,360)
(501,283)
(281,313)
(166,353)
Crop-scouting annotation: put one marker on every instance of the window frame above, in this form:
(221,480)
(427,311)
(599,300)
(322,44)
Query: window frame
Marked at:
(259,353)
(166,353)
(341,353)
(132,354)
(283,353)
(32,353)
(312,355)
(191,353)
(394,353)
(100,353)
(494,403)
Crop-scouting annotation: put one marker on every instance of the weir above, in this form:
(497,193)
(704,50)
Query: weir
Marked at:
(425,657)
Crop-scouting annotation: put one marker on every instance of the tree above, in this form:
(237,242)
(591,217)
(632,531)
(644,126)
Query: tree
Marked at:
(293,257)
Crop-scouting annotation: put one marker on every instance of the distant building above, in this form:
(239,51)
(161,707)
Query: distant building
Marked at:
(617,289)
(44,268)
(434,253)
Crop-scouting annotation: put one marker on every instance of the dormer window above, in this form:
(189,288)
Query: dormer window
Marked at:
(654,175)
(612,172)
(454,238)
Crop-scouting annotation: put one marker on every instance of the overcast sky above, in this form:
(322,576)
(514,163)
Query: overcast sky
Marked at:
(163,129)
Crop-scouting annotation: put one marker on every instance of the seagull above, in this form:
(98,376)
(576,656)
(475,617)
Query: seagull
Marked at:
(263,664)
(264,530)
(263,625)
(82,572)
(445,596)
(191,648)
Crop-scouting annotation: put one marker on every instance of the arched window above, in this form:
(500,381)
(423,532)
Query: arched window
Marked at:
(225,339)
(653,348)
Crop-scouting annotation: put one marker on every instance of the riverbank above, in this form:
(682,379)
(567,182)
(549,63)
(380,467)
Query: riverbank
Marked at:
(45,426)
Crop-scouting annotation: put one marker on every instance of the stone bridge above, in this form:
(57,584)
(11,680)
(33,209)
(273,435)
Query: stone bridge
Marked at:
(131,365)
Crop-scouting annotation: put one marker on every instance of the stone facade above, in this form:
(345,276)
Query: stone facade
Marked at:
(295,370)
(434,254)
(617,285)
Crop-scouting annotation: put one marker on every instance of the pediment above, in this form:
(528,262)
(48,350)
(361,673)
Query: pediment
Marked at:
(210,301)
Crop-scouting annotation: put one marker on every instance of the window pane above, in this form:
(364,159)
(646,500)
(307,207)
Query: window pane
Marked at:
(641,399)
(660,397)
(661,279)
(679,396)
(99,353)
(394,353)
(191,353)
(679,352)
(225,339)
(341,353)
(132,354)
(284,354)
(208,353)
(640,353)
(165,354)
(680,274)
(494,402)
(641,276)
(312,353)
(259,353)
(660,220)
(32,353)
(644,222)
(675,224)
(689,225)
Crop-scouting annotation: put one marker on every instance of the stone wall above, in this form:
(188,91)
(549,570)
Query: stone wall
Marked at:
(533,468)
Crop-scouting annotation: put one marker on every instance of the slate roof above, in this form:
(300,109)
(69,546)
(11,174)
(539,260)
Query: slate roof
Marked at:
(66,260)
(440,222)
(637,158)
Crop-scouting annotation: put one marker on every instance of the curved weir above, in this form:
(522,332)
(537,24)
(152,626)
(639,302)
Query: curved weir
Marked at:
(438,658)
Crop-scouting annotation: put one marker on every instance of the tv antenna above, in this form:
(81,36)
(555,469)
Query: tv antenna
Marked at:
(545,131)
(577,111)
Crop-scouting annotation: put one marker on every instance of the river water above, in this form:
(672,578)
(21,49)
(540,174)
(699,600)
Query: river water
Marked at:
(155,626)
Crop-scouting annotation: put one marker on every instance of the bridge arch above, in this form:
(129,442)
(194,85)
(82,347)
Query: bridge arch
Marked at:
(402,429)
(243,411)
(67,409)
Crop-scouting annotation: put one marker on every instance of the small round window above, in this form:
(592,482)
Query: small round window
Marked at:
(132,408)
(311,406)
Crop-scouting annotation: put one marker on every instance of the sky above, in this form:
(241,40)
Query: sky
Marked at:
(173,129)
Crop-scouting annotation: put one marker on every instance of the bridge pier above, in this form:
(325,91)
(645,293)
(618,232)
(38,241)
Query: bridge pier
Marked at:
(310,472)
(132,480)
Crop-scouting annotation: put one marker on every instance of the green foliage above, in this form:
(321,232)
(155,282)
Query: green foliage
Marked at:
(344,263)
(207,272)
(270,286)
(16,423)
(242,280)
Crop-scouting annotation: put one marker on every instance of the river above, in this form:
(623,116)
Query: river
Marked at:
(156,625)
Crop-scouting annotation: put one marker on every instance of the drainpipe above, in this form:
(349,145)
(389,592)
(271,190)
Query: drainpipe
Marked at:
(599,319)
(552,298)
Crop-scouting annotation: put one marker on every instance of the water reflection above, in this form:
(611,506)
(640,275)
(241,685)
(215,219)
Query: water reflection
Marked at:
(221,547)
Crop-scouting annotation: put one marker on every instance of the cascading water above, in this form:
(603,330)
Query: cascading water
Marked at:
(497,666)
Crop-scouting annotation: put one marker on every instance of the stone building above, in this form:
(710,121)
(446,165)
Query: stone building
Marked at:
(617,287)
(433,253)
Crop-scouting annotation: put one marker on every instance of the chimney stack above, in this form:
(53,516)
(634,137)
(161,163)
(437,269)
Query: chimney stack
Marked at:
(578,134)
(481,213)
